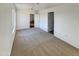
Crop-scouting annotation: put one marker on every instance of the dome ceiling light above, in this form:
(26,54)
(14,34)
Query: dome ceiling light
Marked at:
(35,8)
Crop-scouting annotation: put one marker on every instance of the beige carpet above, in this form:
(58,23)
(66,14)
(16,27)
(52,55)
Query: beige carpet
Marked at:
(36,42)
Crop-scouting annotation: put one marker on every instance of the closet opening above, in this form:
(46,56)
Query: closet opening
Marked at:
(31,20)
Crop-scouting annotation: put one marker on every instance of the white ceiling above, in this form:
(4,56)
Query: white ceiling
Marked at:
(35,6)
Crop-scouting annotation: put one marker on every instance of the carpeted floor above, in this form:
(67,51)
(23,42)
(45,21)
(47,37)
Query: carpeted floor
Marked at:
(36,42)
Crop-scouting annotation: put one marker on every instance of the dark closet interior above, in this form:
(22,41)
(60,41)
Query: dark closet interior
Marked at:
(31,20)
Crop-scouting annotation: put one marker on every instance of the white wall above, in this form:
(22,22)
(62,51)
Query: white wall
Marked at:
(7,28)
(23,19)
(66,22)
(37,21)
(43,16)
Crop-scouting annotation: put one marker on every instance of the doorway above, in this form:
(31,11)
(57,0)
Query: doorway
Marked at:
(51,22)
(31,20)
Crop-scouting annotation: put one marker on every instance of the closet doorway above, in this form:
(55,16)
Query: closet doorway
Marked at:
(31,20)
(51,22)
